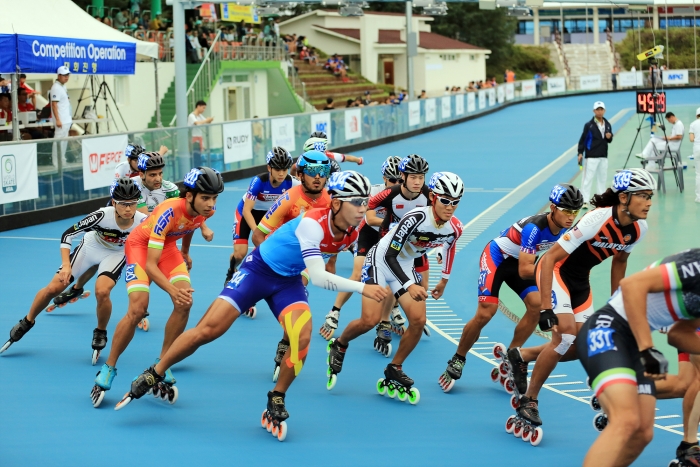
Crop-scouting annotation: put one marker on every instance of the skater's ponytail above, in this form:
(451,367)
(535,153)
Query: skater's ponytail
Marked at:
(607,199)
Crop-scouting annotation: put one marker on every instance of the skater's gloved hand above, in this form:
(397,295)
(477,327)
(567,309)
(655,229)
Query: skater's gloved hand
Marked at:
(375,292)
(655,364)
(188,260)
(417,292)
(207,233)
(65,273)
(439,289)
(181,296)
(548,319)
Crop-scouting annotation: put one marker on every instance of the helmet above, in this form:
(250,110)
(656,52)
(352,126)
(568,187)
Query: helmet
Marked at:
(314,163)
(566,196)
(632,180)
(124,189)
(446,183)
(348,184)
(390,167)
(315,144)
(204,180)
(132,151)
(150,161)
(413,164)
(279,158)
(319,134)
(335,167)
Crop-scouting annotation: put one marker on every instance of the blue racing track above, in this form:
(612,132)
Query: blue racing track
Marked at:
(509,161)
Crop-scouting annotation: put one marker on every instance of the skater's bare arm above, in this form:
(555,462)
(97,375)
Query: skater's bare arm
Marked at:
(248,214)
(65,272)
(179,296)
(372,218)
(634,291)
(185,249)
(526,266)
(617,270)
(549,259)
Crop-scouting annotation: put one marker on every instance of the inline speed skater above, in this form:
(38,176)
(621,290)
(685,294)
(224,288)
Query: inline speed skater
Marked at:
(129,168)
(510,259)
(613,229)
(616,349)
(318,141)
(152,255)
(391,262)
(102,246)
(272,273)
(369,236)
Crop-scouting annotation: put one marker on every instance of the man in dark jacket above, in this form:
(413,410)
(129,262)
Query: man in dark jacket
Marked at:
(597,134)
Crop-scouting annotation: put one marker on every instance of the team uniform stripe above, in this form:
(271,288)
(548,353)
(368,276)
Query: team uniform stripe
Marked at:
(669,278)
(613,376)
(180,277)
(155,244)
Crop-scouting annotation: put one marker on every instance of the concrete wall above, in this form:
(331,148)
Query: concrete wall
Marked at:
(434,73)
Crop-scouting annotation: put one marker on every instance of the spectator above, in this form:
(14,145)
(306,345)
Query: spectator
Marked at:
(403,95)
(613,78)
(596,135)
(292,44)
(108,21)
(313,57)
(203,42)
(276,28)
(228,36)
(661,142)
(423,94)
(135,7)
(493,83)
(538,83)
(23,103)
(510,76)
(471,87)
(694,131)
(349,103)
(447,91)
(134,23)
(368,98)
(190,49)
(392,99)
(197,118)
(31,93)
(196,45)
(242,31)
(145,21)
(121,20)
(329,104)
(358,102)
(156,24)
(61,108)
(5,109)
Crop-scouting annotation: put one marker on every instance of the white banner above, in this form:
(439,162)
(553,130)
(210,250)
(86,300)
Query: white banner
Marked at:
(556,85)
(590,82)
(492,96)
(18,173)
(446,111)
(353,124)
(528,88)
(321,121)
(510,91)
(630,79)
(430,113)
(501,94)
(471,102)
(414,113)
(100,157)
(675,77)
(238,142)
(283,133)
(459,104)
(482,100)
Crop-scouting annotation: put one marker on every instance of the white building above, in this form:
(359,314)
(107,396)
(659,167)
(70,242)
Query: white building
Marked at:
(375,46)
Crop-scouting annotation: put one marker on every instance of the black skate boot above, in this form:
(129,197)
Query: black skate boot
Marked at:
(518,370)
(529,411)
(452,373)
(17,332)
(282,347)
(687,455)
(99,342)
(273,418)
(336,355)
(396,382)
(382,343)
(526,424)
(140,386)
(67,296)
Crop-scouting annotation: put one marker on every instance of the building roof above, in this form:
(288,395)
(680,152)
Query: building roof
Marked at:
(428,40)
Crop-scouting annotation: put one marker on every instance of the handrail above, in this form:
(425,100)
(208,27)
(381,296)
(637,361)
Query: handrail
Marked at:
(616,60)
(562,55)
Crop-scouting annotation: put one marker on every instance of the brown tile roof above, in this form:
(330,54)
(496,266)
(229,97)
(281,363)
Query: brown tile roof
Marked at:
(428,40)
(353,33)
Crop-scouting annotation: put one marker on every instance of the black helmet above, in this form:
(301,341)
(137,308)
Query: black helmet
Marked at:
(413,164)
(133,150)
(335,167)
(566,196)
(204,180)
(124,189)
(279,158)
(150,161)
(319,134)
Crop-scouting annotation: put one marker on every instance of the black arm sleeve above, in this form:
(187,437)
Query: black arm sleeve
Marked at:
(582,140)
(406,227)
(85,225)
(611,133)
(426,192)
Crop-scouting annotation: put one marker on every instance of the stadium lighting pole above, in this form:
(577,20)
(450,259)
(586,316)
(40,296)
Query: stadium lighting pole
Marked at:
(409,51)
(180,64)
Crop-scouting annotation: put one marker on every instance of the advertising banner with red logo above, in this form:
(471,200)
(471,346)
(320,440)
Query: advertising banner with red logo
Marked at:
(414,113)
(100,157)
(353,124)
(18,173)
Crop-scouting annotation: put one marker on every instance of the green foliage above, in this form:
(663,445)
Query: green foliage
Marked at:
(528,60)
(680,53)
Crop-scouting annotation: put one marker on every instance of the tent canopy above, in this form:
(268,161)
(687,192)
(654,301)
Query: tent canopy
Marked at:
(63,19)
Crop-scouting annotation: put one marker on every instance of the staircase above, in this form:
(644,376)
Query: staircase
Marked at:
(167,104)
(590,59)
(321,84)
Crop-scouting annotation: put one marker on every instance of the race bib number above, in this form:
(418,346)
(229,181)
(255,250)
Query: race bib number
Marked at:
(236,280)
(130,275)
(600,340)
(365,272)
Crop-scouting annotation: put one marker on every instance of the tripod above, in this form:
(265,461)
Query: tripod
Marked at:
(102,92)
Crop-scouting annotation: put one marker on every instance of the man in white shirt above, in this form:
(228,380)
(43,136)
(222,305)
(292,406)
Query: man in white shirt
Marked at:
(660,142)
(195,119)
(694,131)
(60,106)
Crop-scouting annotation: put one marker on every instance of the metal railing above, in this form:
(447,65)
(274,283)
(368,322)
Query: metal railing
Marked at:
(562,55)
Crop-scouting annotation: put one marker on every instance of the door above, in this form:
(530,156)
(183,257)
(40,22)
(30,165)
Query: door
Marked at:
(389,72)
(232,108)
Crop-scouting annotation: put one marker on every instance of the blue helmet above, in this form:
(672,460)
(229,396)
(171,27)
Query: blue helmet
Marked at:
(314,163)
(132,151)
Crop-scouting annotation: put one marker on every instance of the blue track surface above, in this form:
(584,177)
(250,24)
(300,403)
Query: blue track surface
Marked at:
(46,378)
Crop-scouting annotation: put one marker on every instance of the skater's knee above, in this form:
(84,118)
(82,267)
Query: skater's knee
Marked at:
(102,294)
(135,314)
(206,334)
(367,321)
(567,340)
(644,435)
(418,321)
(629,424)
(484,314)
(299,333)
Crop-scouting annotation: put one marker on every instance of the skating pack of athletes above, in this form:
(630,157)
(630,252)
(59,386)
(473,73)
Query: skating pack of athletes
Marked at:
(298,224)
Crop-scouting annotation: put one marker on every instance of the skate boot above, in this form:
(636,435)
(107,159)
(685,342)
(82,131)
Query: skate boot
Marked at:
(140,386)
(282,347)
(17,332)
(99,342)
(526,424)
(229,274)
(166,388)
(687,455)
(71,295)
(273,418)
(452,373)
(330,325)
(336,355)
(250,312)
(517,373)
(396,382)
(398,322)
(144,324)
(382,343)
(103,383)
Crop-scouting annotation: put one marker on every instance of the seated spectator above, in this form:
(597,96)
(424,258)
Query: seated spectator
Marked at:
(5,109)
(228,36)
(23,104)
(349,103)
(156,24)
(423,95)
(31,93)
(392,99)
(312,58)
(368,98)
(494,83)
(135,7)
(121,20)
(358,102)
(145,21)
(190,49)
(108,21)
(196,45)
(447,91)
(329,104)
(241,30)
(403,95)
(203,41)
(304,54)
(471,87)
(134,23)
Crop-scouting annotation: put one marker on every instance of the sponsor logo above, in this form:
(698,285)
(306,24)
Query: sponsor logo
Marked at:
(399,206)
(8,166)
(162,221)
(130,275)
(276,205)
(235,140)
(609,246)
(544,246)
(644,389)
(603,321)
(180,233)
(627,238)
(554,299)
(97,161)
(576,232)
(85,222)
(396,245)
(566,237)
(687,269)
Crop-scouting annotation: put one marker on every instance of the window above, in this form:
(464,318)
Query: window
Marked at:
(121,90)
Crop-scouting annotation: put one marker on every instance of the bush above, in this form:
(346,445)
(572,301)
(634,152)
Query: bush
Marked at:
(528,60)
(679,55)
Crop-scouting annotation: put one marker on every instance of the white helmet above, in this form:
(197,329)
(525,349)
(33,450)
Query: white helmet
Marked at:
(446,183)
(348,184)
(631,180)
(316,144)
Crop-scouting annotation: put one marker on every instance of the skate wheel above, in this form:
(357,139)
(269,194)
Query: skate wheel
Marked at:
(446,382)
(509,386)
(145,324)
(518,430)
(172,397)
(124,402)
(282,431)
(85,294)
(269,425)
(275,428)
(95,356)
(391,391)
(426,331)
(387,351)
(527,431)
(595,404)
(600,421)
(675,463)
(6,346)
(514,402)
(381,389)
(413,396)
(331,382)
(536,436)
(510,424)
(402,395)
(252,312)
(263,419)
(73,300)
(50,308)
(97,395)
(504,369)
(495,376)
(62,305)
(275,374)
(499,351)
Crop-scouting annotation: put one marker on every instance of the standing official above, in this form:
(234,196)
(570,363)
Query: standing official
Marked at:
(597,134)
(61,110)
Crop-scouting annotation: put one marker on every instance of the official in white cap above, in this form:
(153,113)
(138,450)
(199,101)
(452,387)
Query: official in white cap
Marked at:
(694,131)
(597,134)
(60,106)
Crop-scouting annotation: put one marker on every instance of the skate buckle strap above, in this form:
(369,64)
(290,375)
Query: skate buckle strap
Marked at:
(293,331)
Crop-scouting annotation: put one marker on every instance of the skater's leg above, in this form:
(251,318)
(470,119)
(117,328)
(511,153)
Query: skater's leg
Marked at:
(296,322)
(676,386)
(215,322)
(138,304)
(178,320)
(85,277)
(470,333)
(371,314)
(562,340)
(691,403)
(529,321)
(240,250)
(103,289)
(415,313)
(342,297)
(44,297)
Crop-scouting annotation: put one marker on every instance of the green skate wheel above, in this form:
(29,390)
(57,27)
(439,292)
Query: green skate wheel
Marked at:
(381,389)
(402,394)
(328,372)
(328,347)
(413,396)
(391,391)
(331,382)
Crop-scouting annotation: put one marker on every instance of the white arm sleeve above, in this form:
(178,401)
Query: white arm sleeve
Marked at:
(585,229)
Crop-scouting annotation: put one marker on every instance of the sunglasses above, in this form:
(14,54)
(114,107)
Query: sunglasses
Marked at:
(393,180)
(447,201)
(126,204)
(357,202)
(321,170)
(569,212)
(646,196)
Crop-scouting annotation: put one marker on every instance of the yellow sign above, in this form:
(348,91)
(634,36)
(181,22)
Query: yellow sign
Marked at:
(236,13)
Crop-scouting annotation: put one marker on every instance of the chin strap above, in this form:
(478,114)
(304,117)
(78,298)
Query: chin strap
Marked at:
(194,196)
(333,214)
(625,207)
(551,217)
(438,221)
